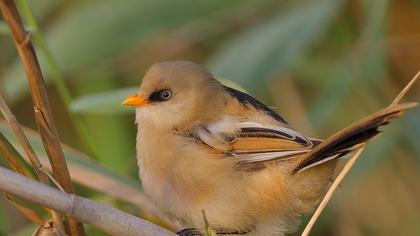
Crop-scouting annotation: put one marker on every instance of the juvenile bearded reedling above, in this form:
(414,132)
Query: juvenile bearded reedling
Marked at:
(204,146)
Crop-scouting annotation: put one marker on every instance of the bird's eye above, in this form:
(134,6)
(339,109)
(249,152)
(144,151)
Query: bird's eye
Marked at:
(165,94)
(161,95)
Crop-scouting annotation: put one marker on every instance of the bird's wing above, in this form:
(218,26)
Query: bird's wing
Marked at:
(253,142)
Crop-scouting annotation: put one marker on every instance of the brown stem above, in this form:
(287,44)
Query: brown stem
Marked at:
(36,164)
(15,126)
(40,99)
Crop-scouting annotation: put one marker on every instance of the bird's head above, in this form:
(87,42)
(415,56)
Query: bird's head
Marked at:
(175,92)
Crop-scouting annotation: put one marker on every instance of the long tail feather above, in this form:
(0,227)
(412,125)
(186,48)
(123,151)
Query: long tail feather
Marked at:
(352,136)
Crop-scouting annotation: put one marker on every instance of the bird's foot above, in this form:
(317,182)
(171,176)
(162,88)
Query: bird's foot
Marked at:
(196,232)
(230,232)
(189,232)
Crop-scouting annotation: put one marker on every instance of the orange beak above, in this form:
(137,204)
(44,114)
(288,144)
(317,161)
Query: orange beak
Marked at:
(135,101)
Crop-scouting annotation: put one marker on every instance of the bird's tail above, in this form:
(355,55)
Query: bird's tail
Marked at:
(351,137)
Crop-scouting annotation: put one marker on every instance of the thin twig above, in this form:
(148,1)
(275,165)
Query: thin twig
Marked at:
(208,229)
(39,95)
(108,219)
(331,190)
(406,89)
(350,164)
(15,126)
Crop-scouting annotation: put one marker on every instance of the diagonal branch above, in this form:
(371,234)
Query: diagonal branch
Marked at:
(332,189)
(108,219)
(406,89)
(40,100)
(10,153)
(14,125)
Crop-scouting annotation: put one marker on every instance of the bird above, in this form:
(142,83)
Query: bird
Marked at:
(212,156)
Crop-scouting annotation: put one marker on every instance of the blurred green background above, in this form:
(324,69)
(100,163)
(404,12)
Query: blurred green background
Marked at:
(319,63)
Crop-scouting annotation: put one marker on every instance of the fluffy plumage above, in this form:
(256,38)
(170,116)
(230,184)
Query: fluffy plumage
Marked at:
(209,147)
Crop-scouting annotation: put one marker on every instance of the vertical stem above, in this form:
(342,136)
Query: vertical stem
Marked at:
(41,103)
(57,77)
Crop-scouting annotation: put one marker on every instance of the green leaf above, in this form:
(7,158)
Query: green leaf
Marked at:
(254,56)
(103,103)
(16,161)
(89,33)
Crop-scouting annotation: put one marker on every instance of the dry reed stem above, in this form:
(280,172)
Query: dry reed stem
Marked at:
(347,167)
(36,164)
(36,82)
(39,95)
(108,219)
(406,89)
(20,135)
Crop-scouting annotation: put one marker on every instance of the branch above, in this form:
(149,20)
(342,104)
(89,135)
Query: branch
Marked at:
(40,99)
(108,219)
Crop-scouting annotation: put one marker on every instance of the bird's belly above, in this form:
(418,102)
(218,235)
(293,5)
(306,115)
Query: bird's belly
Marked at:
(183,185)
(183,193)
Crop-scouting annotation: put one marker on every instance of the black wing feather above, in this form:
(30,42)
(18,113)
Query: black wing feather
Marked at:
(248,100)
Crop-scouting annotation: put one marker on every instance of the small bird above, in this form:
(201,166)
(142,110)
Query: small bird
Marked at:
(203,147)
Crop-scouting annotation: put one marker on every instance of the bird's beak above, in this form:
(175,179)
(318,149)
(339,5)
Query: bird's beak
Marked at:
(135,101)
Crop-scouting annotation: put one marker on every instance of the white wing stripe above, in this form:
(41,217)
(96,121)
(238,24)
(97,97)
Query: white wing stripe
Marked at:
(261,157)
(215,135)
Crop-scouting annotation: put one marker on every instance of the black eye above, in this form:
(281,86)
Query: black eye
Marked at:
(160,95)
(165,94)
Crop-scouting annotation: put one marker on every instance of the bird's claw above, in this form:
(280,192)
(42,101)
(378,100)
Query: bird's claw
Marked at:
(189,232)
